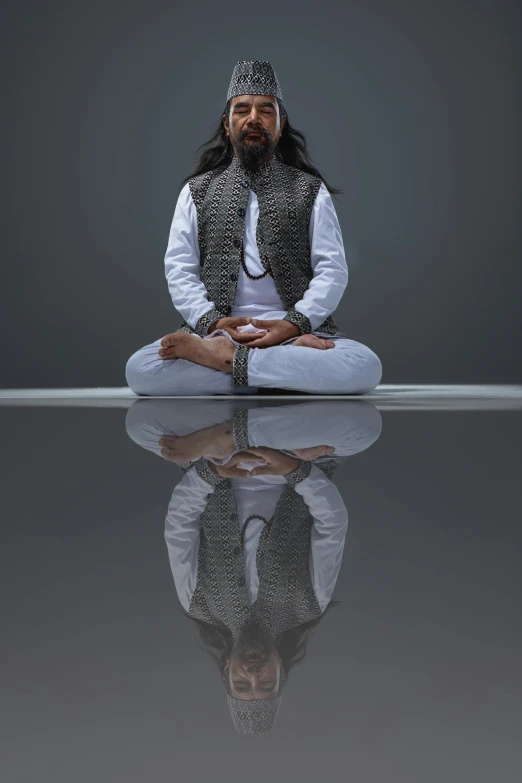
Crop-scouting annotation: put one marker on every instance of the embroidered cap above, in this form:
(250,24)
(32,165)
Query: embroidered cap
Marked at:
(254,77)
(256,716)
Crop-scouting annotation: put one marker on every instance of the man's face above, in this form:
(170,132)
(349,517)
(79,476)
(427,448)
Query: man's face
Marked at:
(250,681)
(254,127)
(254,667)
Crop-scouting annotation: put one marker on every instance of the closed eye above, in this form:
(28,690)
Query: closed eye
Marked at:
(241,687)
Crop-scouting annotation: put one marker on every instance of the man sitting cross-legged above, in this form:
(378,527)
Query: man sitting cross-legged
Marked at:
(255,265)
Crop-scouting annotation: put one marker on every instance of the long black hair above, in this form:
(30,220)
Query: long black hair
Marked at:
(291,644)
(291,149)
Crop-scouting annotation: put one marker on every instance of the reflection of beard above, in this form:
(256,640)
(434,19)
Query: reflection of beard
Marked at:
(254,647)
(253,153)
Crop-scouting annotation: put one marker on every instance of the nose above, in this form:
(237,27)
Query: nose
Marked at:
(253,117)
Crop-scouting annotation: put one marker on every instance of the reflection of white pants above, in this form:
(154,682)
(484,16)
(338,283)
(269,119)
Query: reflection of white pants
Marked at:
(348,368)
(350,427)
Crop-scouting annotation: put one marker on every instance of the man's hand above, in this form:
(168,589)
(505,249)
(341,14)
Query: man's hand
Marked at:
(277,462)
(230,470)
(230,325)
(278,330)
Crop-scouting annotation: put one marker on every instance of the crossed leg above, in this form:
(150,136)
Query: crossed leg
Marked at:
(316,364)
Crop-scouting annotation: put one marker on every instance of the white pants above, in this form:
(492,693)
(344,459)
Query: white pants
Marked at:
(347,368)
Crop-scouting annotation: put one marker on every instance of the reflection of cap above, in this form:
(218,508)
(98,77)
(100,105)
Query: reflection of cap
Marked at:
(254,717)
(254,77)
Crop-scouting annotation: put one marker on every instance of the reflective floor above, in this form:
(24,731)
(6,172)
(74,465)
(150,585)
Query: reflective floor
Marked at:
(257,590)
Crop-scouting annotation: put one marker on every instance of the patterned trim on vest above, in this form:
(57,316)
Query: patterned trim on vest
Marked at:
(240,366)
(286,196)
(300,320)
(206,320)
(329,466)
(240,428)
(206,473)
(299,474)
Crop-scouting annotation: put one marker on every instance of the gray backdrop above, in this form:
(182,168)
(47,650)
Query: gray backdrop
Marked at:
(413,108)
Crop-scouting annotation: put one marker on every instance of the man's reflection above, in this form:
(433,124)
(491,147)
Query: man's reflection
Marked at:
(255,530)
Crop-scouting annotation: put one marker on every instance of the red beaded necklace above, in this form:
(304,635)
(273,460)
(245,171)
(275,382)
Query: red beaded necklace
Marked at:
(252,277)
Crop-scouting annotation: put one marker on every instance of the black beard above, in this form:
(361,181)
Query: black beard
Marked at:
(252,154)
(254,640)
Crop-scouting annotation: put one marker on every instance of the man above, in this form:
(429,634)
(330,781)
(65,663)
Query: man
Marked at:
(255,264)
(255,529)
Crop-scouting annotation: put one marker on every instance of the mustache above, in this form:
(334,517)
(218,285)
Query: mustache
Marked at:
(262,132)
(255,666)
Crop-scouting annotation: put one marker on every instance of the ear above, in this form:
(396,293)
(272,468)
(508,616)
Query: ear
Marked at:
(282,676)
(225,124)
(226,668)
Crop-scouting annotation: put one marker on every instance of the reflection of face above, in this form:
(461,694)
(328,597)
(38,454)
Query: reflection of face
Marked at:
(254,667)
(259,682)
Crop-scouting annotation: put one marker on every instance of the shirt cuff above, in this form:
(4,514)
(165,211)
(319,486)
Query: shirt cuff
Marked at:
(206,473)
(206,320)
(240,428)
(300,320)
(299,474)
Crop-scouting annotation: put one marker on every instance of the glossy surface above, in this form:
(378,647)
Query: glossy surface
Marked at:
(413,676)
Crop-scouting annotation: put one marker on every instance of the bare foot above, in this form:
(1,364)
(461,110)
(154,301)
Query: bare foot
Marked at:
(216,441)
(313,452)
(312,341)
(216,352)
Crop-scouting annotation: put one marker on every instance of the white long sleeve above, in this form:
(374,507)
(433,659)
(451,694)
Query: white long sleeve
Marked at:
(182,531)
(258,298)
(328,261)
(182,267)
(330,517)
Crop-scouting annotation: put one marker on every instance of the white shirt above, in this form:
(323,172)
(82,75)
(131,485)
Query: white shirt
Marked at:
(257,298)
(257,495)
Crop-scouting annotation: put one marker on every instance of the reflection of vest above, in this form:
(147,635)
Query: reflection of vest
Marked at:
(286,197)
(285,596)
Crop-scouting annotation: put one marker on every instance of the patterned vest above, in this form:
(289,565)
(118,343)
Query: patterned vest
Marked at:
(286,197)
(285,597)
